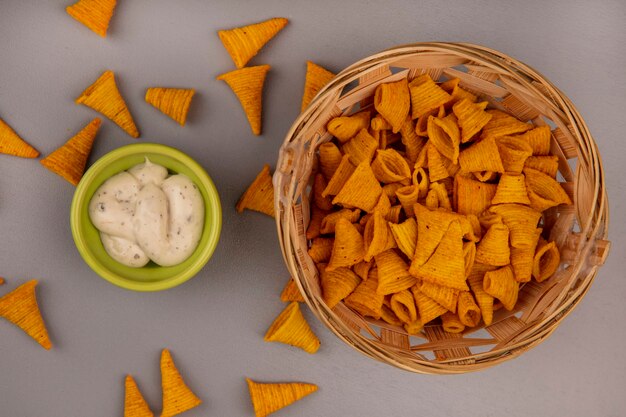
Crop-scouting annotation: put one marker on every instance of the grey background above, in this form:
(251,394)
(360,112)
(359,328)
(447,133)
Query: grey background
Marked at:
(214,323)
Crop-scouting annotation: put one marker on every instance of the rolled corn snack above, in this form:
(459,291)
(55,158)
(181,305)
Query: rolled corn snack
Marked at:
(348,247)
(361,148)
(428,308)
(503,124)
(345,128)
(377,237)
(522,259)
(445,296)
(546,261)
(467,309)
(451,323)
(426,95)
(268,398)
(393,273)
(329,159)
(316,78)
(291,328)
(365,299)
(403,305)
(405,235)
(393,102)
(472,118)
(511,189)
(501,284)
(390,167)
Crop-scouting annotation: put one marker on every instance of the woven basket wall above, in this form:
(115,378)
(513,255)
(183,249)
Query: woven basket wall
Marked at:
(580,230)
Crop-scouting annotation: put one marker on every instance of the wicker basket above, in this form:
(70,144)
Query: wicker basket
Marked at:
(580,231)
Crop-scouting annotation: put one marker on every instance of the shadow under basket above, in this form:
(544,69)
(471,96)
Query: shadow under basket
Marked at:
(579,230)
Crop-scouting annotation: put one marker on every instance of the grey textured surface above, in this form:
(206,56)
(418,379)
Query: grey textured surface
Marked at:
(214,323)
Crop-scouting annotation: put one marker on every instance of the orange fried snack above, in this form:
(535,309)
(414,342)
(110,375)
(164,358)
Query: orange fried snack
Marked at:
(291,292)
(95,14)
(472,197)
(426,95)
(362,190)
(361,148)
(544,191)
(481,156)
(472,118)
(177,397)
(103,96)
(445,296)
(345,128)
(445,135)
(389,167)
(546,260)
(377,236)
(348,248)
(451,323)
(365,299)
(403,306)
(12,144)
(260,194)
(393,102)
(247,84)
(503,124)
(291,328)
(330,158)
(316,78)
(20,308)
(393,273)
(501,284)
(1,281)
(522,259)
(173,102)
(511,189)
(493,249)
(69,160)
(405,235)
(338,284)
(428,308)
(245,42)
(268,398)
(468,310)
(134,403)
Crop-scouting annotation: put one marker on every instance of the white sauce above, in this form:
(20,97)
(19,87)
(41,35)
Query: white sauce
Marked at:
(142,215)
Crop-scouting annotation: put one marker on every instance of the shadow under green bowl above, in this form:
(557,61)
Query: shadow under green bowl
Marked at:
(151,277)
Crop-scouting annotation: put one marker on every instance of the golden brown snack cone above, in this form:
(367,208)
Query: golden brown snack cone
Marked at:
(2,281)
(337,285)
(316,78)
(436,167)
(451,323)
(173,102)
(319,200)
(481,156)
(330,158)
(513,152)
(402,304)
(432,225)
(378,122)
(361,148)
(456,92)
(377,236)
(330,220)
(291,292)
(407,196)
(134,403)
(245,42)
(20,308)
(362,269)
(428,308)
(177,397)
(503,124)
(411,141)
(544,191)
(388,316)
(315,223)
(511,189)
(426,95)
(445,135)
(446,266)
(321,249)
(420,179)
(362,190)
(393,102)
(393,273)
(12,144)
(501,284)
(546,261)
(493,249)
(348,247)
(345,128)
(548,164)
(468,310)
(267,398)
(445,296)
(522,259)
(405,235)
(69,160)
(389,167)
(104,97)
(364,299)
(472,118)
(472,197)
(341,175)
(247,84)
(260,194)
(291,328)
(521,221)
(484,300)
(95,14)
(538,139)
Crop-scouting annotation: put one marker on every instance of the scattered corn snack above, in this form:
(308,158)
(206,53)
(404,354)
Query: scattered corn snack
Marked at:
(95,14)
(69,160)
(134,403)
(440,218)
(268,398)
(245,42)
(177,397)
(20,308)
(12,144)
(247,84)
(104,97)
(260,194)
(1,281)
(290,327)
(174,102)
(316,78)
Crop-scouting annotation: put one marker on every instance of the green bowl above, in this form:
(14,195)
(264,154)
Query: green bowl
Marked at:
(151,277)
